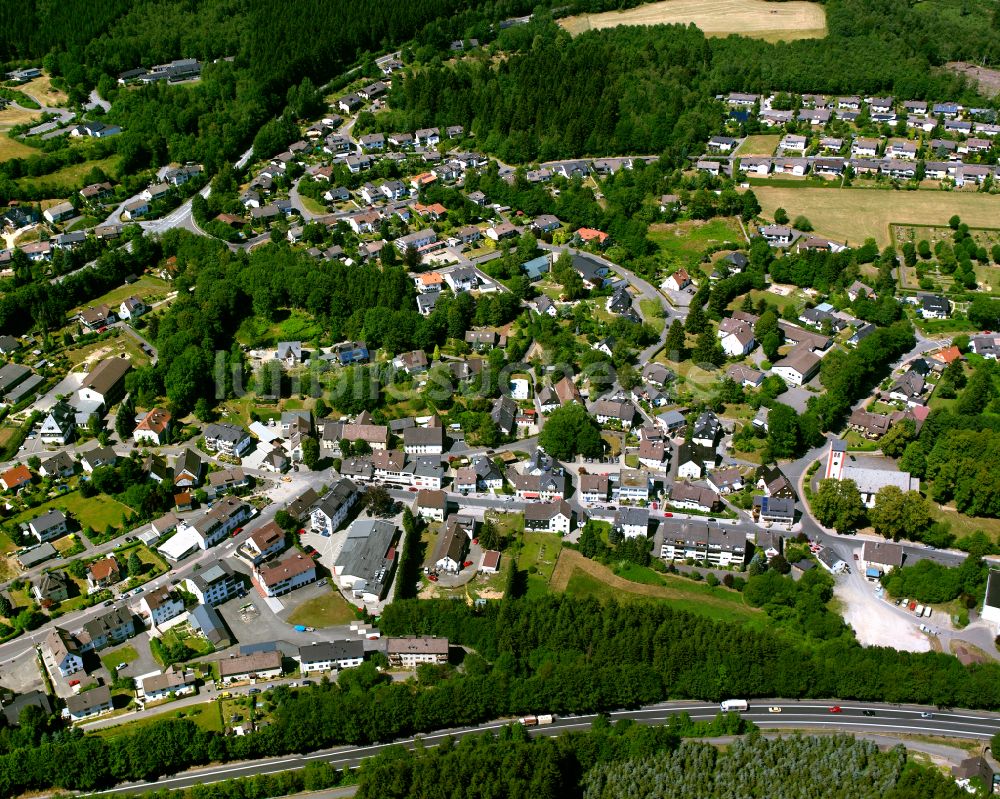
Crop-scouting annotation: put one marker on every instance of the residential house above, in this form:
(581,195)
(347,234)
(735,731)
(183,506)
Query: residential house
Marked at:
(51,588)
(594,488)
(97,457)
(109,628)
(694,497)
(96,317)
(908,388)
(332,510)
(50,525)
(215,584)
(160,605)
(726,481)
(703,541)
(154,429)
(423,441)
(773,483)
(633,486)
(653,454)
(265,542)
(870,425)
(632,522)
(132,308)
(331,656)
(228,439)
(431,505)
(622,413)
(410,652)
(693,459)
(188,469)
(777,235)
(678,281)
(63,651)
(774,510)
(671,422)
(551,517)
(227,481)
(745,376)
(736,337)
(103,573)
(881,556)
(59,465)
(291,572)
(59,427)
(88,704)
(933,306)
(175,681)
(260,665)
(453,545)
(707,429)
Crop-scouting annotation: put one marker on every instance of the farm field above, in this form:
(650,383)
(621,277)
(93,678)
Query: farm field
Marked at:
(40,89)
(579,576)
(754,18)
(852,215)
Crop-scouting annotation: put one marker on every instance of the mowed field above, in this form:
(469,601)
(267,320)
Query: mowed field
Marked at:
(852,215)
(755,18)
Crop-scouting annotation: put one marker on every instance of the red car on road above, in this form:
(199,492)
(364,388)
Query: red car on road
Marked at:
(835,709)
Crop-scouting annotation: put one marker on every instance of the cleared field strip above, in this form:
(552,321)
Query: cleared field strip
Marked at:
(754,18)
(852,215)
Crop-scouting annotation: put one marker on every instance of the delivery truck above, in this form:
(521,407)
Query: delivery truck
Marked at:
(730,705)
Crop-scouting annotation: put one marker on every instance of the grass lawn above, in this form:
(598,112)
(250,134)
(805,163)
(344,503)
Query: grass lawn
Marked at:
(688,240)
(69,178)
(110,347)
(125,654)
(592,579)
(753,18)
(537,554)
(762,144)
(207,716)
(652,314)
(852,215)
(6,545)
(313,206)
(96,512)
(328,610)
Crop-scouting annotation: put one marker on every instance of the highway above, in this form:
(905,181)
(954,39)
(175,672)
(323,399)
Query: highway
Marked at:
(803,716)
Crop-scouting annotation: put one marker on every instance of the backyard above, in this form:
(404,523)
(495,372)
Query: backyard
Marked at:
(207,716)
(96,512)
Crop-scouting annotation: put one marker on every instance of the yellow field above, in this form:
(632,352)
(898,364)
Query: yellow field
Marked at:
(754,18)
(12,148)
(852,215)
(40,89)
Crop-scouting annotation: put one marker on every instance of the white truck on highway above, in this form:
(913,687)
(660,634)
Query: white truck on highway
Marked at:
(532,721)
(730,705)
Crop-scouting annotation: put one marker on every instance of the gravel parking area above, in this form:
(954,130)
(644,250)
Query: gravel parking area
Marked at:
(875,622)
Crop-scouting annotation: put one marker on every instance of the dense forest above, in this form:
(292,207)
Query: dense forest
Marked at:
(652,89)
(756,767)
